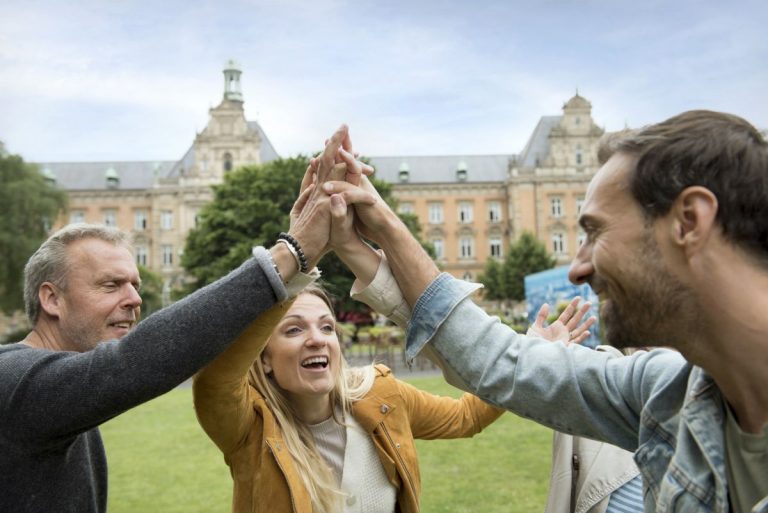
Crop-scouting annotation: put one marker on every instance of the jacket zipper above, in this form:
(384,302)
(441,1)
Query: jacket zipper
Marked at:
(399,457)
(277,460)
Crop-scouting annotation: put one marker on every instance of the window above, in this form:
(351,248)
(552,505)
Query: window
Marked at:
(167,255)
(579,204)
(465,212)
(494,211)
(556,207)
(227,162)
(466,247)
(166,220)
(580,238)
(141,255)
(110,217)
(558,243)
(140,220)
(439,248)
(467,276)
(77,216)
(405,208)
(495,245)
(436,213)
(579,157)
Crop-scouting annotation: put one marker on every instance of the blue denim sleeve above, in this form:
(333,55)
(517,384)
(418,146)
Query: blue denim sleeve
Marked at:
(569,388)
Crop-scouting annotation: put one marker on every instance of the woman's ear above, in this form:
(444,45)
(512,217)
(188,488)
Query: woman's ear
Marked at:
(265,363)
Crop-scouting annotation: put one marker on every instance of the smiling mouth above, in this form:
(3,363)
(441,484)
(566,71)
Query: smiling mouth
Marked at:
(125,325)
(315,362)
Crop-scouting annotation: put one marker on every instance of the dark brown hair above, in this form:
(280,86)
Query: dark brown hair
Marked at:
(718,151)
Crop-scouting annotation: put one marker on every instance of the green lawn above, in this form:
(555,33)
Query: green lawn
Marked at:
(161,461)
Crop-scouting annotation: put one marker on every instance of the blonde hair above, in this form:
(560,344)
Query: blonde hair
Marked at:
(351,385)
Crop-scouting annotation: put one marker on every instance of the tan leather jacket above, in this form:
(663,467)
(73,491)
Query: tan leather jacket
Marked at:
(586,472)
(237,419)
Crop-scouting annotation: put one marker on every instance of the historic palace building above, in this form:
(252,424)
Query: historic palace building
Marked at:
(471,207)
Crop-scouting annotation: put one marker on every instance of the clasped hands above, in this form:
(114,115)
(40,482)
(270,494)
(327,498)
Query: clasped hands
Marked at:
(338,206)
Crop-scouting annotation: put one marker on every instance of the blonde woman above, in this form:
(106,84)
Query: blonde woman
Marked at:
(303,432)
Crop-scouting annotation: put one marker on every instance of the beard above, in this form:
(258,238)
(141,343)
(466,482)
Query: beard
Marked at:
(656,306)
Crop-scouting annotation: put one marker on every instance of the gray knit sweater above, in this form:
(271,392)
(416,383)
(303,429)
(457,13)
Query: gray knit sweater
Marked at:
(52,402)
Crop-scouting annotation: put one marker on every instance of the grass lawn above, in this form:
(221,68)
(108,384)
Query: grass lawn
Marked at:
(161,461)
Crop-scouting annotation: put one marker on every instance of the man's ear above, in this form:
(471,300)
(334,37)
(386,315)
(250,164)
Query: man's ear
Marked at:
(694,212)
(50,299)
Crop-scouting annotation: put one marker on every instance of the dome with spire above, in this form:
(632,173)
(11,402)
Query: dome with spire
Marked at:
(577,103)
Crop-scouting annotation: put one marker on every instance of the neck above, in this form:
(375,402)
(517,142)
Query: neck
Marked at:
(43,336)
(732,340)
(312,409)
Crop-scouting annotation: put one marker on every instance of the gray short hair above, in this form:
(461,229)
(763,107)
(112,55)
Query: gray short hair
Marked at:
(49,262)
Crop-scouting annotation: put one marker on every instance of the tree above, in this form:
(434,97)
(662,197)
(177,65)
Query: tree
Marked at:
(250,208)
(151,291)
(29,204)
(527,256)
(494,285)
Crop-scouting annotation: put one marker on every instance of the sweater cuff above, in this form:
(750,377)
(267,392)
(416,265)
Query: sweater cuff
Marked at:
(283,291)
(383,295)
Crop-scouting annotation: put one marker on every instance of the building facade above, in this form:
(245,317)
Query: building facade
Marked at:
(470,207)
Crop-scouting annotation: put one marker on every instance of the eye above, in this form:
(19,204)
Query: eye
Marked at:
(329,328)
(292,330)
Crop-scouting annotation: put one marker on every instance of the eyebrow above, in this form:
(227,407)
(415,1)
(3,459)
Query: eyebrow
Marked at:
(587,221)
(297,316)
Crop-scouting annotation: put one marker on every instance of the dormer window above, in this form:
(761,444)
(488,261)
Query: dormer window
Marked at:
(112,178)
(49,177)
(461,172)
(404,174)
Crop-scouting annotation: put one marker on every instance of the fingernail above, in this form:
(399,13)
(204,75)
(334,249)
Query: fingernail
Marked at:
(336,200)
(328,187)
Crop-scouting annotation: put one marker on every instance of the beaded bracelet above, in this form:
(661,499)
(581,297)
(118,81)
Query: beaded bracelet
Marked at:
(294,244)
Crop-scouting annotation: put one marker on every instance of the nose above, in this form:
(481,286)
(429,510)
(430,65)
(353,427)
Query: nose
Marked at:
(316,338)
(581,267)
(131,298)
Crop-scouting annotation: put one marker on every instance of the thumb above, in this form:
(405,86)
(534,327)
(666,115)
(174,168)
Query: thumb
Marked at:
(338,208)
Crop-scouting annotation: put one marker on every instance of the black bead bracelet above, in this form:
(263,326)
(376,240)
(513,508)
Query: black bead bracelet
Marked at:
(303,265)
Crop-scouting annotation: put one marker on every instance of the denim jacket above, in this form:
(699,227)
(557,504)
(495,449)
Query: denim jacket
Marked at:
(656,404)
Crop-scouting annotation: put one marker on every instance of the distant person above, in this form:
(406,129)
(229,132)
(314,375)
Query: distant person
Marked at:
(87,360)
(676,224)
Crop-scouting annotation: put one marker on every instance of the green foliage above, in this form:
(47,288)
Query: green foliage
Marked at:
(507,281)
(494,285)
(28,207)
(151,291)
(527,256)
(250,208)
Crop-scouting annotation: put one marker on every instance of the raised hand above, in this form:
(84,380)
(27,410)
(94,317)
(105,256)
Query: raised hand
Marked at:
(568,327)
(310,215)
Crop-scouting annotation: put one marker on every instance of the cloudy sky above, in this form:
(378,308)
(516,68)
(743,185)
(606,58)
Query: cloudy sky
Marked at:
(133,80)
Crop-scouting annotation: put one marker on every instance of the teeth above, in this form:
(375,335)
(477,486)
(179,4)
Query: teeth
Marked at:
(315,359)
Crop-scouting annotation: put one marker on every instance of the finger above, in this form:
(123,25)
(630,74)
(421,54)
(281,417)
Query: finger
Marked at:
(347,144)
(328,157)
(575,320)
(352,195)
(569,310)
(541,316)
(354,169)
(301,201)
(368,170)
(338,172)
(338,209)
(309,175)
(581,338)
